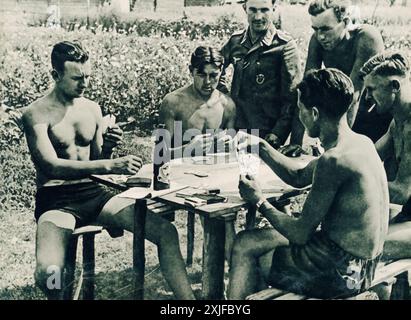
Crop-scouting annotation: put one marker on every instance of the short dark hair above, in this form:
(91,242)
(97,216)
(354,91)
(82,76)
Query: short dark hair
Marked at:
(329,90)
(206,55)
(245,1)
(67,51)
(340,7)
(386,64)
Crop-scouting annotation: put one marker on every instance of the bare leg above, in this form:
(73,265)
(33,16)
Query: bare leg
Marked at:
(119,212)
(229,239)
(54,230)
(398,242)
(249,247)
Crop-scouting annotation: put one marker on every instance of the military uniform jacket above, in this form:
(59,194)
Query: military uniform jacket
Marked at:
(264,80)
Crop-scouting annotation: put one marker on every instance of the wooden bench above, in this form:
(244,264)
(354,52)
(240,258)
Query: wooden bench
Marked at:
(86,281)
(394,273)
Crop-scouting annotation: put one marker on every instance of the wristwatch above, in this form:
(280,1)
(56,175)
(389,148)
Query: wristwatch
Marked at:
(259,203)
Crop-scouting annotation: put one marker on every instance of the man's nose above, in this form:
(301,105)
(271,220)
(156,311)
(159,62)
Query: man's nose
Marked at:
(83,82)
(207,80)
(258,15)
(320,35)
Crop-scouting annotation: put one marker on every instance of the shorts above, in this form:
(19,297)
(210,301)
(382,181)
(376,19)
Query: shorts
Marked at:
(320,269)
(84,201)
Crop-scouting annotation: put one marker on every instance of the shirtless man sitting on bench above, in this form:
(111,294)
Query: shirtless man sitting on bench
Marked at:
(64,133)
(332,248)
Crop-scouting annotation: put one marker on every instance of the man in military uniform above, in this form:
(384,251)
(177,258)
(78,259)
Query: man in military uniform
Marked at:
(266,70)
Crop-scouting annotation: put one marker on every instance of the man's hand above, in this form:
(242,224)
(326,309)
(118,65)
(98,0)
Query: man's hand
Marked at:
(112,138)
(273,140)
(126,165)
(250,189)
(245,142)
(201,142)
(292,150)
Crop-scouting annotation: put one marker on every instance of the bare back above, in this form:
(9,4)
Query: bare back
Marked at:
(358,217)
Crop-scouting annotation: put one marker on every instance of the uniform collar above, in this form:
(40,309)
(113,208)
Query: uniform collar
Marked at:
(266,40)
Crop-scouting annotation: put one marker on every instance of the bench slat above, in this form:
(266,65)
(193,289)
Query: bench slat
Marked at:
(87,229)
(291,296)
(383,274)
(266,294)
(388,271)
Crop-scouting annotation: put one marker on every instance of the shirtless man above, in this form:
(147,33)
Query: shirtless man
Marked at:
(337,43)
(388,86)
(348,198)
(65,136)
(198,107)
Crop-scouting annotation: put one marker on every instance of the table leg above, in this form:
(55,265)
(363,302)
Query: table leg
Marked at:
(250,217)
(138,247)
(190,237)
(88,266)
(213,259)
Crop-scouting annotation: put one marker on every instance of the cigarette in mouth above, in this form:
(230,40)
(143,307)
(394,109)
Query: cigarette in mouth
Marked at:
(372,108)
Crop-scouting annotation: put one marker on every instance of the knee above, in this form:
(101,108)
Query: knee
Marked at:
(167,233)
(242,243)
(48,276)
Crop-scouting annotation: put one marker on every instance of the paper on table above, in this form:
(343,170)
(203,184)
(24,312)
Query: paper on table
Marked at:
(140,193)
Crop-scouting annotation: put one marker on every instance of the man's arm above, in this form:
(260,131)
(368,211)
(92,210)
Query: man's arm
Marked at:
(400,188)
(290,76)
(318,203)
(385,145)
(222,83)
(291,171)
(167,116)
(97,148)
(45,157)
(314,56)
(369,44)
(314,61)
(229,114)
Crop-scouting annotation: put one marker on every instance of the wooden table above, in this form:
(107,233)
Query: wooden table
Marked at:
(225,176)
(222,174)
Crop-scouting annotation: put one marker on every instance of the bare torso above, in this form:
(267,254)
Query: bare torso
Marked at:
(358,217)
(195,113)
(71,130)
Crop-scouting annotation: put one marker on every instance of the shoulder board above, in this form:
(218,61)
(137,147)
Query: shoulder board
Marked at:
(238,33)
(283,35)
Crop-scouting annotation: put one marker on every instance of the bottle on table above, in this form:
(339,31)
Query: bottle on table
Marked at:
(161,159)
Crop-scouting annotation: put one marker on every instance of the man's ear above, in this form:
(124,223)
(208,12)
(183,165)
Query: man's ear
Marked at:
(396,85)
(244,6)
(55,75)
(190,67)
(315,113)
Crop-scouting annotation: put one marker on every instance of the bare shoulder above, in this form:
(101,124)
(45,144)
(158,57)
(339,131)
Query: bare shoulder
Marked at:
(37,111)
(358,150)
(369,35)
(329,160)
(174,100)
(227,102)
(90,105)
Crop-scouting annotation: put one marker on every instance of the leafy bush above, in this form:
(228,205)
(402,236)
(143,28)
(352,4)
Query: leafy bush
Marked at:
(131,75)
(222,27)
